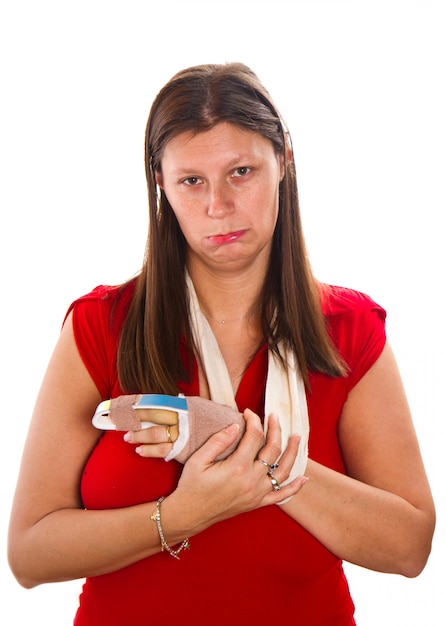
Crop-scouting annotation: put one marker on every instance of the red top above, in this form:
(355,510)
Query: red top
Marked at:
(257,568)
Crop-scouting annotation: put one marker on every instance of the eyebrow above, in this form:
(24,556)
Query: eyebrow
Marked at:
(236,162)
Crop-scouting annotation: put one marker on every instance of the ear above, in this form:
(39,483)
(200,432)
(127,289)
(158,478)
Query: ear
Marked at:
(282,167)
(159,179)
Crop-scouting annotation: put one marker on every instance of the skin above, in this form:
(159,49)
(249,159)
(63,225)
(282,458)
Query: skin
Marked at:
(234,175)
(223,188)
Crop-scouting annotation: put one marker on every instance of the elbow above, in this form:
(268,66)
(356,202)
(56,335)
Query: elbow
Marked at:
(414,563)
(413,567)
(20,567)
(25,582)
(22,576)
(416,556)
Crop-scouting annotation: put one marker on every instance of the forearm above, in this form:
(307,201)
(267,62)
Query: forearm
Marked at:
(362,524)
(73,543)
(56,541)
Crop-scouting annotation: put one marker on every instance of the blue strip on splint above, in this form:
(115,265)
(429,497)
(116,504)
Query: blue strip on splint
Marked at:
(161,401)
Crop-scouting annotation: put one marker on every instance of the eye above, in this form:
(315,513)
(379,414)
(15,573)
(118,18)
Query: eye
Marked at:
(192,181)
(241,171)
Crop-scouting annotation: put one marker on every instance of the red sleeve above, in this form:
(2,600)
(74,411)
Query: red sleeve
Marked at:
(357,326)
(97,321)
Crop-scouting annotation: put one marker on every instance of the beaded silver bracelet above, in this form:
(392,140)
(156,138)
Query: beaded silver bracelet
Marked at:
(156,517)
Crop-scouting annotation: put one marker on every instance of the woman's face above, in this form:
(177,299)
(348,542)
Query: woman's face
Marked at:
(223,186)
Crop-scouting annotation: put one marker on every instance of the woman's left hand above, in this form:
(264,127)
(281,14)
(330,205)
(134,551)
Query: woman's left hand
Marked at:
(210,491)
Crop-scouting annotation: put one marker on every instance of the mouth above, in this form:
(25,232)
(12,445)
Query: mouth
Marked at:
(226,238)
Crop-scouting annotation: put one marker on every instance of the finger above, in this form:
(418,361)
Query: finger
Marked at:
(153,442)
(272,448)
(253,437)
(216,445)
(152,435)
(290,453)
(158,416)
(286,461)
(285,492)
(277,463)
(154,450)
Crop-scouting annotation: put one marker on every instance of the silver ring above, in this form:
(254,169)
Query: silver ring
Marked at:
(274,482)
(272,466)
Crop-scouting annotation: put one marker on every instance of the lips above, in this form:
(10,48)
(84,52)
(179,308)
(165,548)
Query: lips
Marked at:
(227,238)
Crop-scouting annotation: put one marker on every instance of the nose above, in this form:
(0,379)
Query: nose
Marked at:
(220,201)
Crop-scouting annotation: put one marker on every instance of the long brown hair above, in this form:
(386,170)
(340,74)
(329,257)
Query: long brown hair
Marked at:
(196,99)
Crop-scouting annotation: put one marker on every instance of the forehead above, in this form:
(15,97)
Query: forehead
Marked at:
(221,142)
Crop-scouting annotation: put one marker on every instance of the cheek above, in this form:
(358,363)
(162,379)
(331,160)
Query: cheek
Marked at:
(270,206)
(176,205)
(186,217)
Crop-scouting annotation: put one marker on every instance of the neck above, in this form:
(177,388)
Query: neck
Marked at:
(234,319)
(227,299)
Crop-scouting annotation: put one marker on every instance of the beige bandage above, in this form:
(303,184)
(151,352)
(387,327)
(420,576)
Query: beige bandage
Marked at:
(202,419)
(124,416)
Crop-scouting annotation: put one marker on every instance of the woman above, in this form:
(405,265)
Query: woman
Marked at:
(225,307)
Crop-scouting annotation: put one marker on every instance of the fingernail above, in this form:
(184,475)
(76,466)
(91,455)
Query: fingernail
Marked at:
(232,429)
(127,437)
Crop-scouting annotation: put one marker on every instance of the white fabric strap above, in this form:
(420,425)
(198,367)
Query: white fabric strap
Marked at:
(285,390)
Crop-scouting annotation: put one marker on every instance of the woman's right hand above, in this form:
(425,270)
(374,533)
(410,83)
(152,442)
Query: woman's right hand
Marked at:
(209,491)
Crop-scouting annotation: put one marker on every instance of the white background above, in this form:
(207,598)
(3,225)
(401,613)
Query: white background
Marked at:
(361,85)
